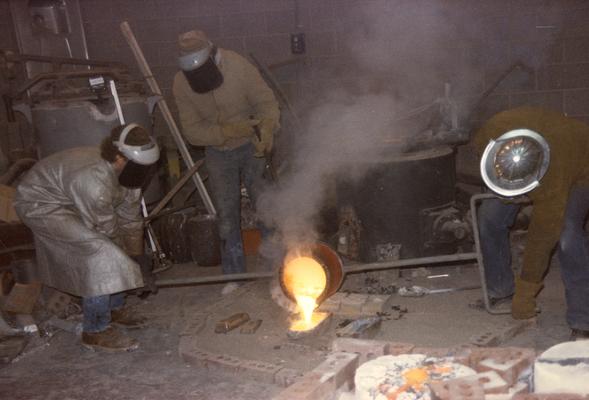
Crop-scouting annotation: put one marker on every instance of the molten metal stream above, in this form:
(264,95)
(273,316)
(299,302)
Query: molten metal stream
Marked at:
(306,280)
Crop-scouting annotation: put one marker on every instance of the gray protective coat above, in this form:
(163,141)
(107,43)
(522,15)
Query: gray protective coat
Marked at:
(80,216)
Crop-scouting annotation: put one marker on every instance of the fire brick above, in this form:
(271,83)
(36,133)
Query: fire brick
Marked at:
(286,377)
(311,386)
(352,304)
(508,362)
(396,348)
(465,390)
(491,382)
(259,370)
(551,396)
(333,303)
(225,363)
(457,389)
(437,352)
(366,349)
(376,304)
(341,365)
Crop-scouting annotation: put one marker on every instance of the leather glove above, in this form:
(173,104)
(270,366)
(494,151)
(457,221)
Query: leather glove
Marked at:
(239,129)
(523,305)
(132,244)
(265,141)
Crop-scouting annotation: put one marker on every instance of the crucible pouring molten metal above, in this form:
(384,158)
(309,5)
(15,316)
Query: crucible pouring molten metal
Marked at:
(309,277)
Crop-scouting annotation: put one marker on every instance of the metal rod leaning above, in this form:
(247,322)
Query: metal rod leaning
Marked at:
(147,74)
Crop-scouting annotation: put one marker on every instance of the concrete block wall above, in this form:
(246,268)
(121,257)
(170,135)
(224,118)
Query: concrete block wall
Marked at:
(400,47)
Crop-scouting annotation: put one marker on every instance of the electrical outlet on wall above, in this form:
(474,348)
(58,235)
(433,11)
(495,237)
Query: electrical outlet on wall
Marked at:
(297,43)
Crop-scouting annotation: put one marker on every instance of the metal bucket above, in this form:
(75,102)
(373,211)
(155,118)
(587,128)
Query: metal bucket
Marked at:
(333,268)
(203,239)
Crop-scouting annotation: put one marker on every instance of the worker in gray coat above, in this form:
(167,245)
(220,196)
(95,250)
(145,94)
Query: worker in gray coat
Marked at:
(83,206)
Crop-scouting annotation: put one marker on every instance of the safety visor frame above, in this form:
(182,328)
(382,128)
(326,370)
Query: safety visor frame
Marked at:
(145,154)
(196,59)
(487,165)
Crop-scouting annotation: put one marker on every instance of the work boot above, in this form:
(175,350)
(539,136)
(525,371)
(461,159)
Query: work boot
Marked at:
(579,334)
(109,340)
(523,305)
(125,318)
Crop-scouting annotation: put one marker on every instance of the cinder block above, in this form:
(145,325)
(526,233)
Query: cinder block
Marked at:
(311,386)
(366,349)
(286,377)
(508,362)
(339,365)
(259,370)
(376,304)
(352,304)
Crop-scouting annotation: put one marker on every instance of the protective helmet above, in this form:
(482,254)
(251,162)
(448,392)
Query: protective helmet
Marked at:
(198,61)
(513,164)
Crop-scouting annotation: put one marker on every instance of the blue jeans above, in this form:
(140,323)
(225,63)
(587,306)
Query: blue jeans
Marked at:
(495,220)
(227,170)
(97,309)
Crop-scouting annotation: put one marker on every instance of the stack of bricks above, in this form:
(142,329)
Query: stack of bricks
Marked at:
(498,377)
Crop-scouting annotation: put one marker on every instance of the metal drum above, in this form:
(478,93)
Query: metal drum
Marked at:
(393,208)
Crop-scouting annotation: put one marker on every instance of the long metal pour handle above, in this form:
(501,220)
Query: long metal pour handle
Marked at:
(149,78)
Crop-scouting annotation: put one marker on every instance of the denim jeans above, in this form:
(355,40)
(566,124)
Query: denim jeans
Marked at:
(97,309)
(495,220)
(227,170)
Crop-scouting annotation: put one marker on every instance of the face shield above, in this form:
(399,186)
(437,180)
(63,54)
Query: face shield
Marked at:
(141,160)
(200,69)
(515,163)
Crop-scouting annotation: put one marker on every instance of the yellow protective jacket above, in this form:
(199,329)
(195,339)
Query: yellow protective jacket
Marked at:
(242,95)
(569,166)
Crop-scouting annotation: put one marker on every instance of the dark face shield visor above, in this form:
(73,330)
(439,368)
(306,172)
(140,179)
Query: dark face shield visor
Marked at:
(205,78)
(135,176)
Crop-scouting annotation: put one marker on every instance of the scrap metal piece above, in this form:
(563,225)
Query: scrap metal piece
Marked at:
(251,326)
(234,321)
(364,327)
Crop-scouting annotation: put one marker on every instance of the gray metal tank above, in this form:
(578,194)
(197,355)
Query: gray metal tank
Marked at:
(63,124)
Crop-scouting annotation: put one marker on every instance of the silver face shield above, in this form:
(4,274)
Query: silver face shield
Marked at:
(515,163)
(201,70)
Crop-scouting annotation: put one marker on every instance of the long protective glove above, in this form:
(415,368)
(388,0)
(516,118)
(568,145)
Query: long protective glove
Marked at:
(523,305)
(239,129)
(265,141)
(132,243)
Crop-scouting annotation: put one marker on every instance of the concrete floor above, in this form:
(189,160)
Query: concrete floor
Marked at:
(57,367)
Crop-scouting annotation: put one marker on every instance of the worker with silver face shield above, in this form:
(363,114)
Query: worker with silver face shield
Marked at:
(225,106)
(83,206)
(541,154)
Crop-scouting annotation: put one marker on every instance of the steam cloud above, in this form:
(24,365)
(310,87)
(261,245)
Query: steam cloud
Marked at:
(401,55)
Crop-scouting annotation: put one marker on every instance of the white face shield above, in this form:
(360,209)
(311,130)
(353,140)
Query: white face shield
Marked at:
(201,70)
(515,163)
(141,160)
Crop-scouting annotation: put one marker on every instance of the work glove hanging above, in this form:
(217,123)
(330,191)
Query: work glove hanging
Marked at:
(263,140)
(523,305)
(239,129)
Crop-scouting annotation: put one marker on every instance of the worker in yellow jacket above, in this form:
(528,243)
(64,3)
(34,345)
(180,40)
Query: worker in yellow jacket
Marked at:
(225,106)
(545,155)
